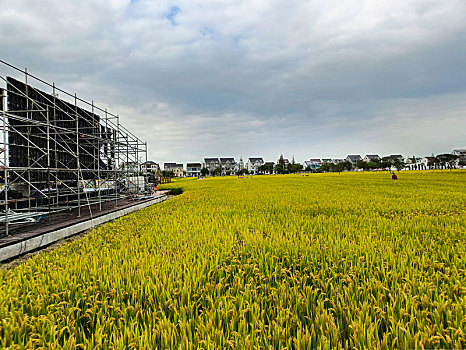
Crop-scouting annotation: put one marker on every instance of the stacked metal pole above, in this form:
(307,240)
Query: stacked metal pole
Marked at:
(5,159)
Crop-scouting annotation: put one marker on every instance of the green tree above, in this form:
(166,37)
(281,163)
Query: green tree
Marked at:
(372,165)
(296,168)
(398,164)
(205,171)
(386,163)
(326,167)
(360,164)
(432,162)
(281,160)
(262,169)
(167,173)
(217,171)
(347,165)
(447,160)
(269,168)
(339,167)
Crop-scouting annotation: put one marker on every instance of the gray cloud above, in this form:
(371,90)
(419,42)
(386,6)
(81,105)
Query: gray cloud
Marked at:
(309,78)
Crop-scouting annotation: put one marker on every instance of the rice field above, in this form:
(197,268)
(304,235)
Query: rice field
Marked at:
(321,261)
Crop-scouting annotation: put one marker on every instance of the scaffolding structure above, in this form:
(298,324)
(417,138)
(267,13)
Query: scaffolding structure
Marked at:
(60,152)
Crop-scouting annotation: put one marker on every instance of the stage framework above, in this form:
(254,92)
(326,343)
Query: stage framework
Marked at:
(60,152)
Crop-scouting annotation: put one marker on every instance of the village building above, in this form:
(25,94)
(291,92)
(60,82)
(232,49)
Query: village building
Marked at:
(150,166)
(228,166)
(193,169)
(353,158)
(414,163)
(371,158)
(461,153)
(253,164)
(313,164)
(211,164)
(177,169)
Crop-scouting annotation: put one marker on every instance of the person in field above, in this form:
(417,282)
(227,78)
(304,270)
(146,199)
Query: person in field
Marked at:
(394,177)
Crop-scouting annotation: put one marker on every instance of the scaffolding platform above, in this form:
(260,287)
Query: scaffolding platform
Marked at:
(66,224)
(61,156)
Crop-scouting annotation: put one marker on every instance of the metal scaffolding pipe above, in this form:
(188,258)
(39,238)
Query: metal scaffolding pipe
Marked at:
(56,152)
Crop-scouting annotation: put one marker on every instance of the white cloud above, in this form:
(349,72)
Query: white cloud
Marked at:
(256,77)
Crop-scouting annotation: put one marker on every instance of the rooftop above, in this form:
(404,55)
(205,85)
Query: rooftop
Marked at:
(354,156)
(253,160)
(211,160)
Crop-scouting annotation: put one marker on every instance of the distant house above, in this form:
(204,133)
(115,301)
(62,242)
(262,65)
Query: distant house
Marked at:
(253,164)
(150,166)
(211,164)
(461,153)
(313,164)
(193,169)
(414,163)
(353,158)
(177,169)
(428,163)
(337,160)
(228,166)
(327,160)
(308,165)
(168,166)
(371,157)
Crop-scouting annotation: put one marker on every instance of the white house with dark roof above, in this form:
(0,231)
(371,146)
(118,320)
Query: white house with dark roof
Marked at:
(193,169)
(371,157)
(211,164)
(428,162)
(176,168)
(150,166)
(228,165)
(253,164)
(312,164)
(168,166)
(415,163)
(461,153)
(353,158)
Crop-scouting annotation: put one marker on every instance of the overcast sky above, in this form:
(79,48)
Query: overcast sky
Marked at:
(256,78)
